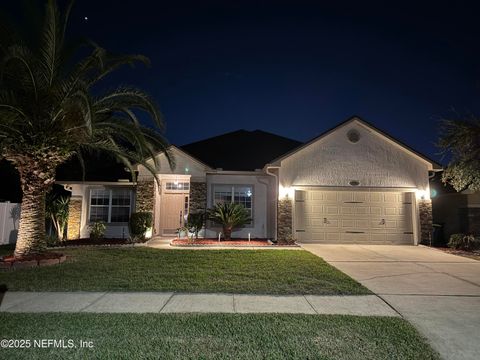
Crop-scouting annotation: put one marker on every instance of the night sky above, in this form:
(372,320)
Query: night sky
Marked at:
(296,68)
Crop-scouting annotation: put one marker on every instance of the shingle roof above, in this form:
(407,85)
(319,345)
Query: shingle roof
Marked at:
(240,150)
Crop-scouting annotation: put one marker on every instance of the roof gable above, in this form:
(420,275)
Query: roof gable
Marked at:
(433,165)
(184,164)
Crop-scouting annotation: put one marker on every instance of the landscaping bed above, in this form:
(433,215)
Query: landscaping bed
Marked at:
(220,270)
(90,242)
(214,336)
(215,242)
(472,254)
(10,262)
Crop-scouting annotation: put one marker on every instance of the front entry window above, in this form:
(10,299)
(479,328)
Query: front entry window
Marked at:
(175,185)
(237,194)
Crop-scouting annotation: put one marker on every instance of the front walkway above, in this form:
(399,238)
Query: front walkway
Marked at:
(163,302)
(438,293)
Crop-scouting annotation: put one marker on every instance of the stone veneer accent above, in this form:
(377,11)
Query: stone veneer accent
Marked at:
(426,221)
(74,218)
(198,197)
(284,221)
(145,196)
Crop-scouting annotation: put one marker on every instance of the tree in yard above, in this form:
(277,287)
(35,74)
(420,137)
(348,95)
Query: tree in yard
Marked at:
(230,216)
(50,113)
(460,141)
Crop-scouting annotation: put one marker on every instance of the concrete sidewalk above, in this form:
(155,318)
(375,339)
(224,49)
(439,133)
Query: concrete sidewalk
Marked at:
(169,302)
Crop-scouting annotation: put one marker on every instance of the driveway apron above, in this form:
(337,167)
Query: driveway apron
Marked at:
(438,293)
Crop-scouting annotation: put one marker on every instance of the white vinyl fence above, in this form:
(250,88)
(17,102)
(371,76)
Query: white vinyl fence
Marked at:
(9,217)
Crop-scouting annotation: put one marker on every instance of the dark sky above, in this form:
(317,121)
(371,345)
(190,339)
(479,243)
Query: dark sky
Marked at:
(296,68)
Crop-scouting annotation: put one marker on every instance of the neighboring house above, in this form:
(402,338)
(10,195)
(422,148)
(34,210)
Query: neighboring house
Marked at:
(455,212)
(352,184)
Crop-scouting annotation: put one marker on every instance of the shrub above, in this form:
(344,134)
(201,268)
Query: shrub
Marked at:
(97,230)
(230,216)
(195,223)
(139,224)
(463,242)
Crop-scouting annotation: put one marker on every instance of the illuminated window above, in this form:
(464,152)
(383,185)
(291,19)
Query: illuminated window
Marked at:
(110,205)
(237,194)
(177,186)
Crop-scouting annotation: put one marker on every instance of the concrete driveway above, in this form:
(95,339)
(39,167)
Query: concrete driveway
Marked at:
(437,292)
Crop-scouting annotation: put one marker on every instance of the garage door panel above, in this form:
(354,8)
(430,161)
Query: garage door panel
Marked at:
(329,236)
(360,196)
(346,196)
(390,211)
(376,224)
(316,209)
(361,210)
(381,237)
(391,197)
(362,224)
(376,197)
(332,223)
(354,216)
(347,210)
(332,210)
(348,223)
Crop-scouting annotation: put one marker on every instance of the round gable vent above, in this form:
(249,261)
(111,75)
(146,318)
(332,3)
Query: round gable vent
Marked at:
(353,136)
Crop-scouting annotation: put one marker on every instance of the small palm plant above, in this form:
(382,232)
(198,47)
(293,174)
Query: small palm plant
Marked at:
(56,210)
(230,216)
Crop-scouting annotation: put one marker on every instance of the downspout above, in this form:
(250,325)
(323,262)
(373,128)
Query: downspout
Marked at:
(267,168)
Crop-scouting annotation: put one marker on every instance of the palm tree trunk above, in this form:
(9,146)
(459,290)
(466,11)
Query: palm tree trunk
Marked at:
(31,231)
(227,232)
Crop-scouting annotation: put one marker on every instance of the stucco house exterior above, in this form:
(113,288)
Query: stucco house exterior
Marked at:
(352,184)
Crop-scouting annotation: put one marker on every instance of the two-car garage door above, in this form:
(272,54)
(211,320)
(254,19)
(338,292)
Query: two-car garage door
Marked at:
(369,217)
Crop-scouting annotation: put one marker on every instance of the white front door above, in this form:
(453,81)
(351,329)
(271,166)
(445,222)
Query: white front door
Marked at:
(372,217)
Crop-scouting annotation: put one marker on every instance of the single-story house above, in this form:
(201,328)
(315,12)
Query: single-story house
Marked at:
(352,184)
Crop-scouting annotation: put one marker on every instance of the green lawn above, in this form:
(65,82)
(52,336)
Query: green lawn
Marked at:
(146,269)
(215,336)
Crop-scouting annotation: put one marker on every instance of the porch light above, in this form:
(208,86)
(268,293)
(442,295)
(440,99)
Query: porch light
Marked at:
(422,195)
(285,192)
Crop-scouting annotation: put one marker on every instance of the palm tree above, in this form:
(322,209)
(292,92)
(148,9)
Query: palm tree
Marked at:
(230,216)
(49,113)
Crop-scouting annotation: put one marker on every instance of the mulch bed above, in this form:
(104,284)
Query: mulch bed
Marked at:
(10,262)
(215,242)
(90,242)
(474,254)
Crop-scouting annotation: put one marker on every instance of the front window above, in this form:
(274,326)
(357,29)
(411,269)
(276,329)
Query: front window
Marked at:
(237,194)
(110,205)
